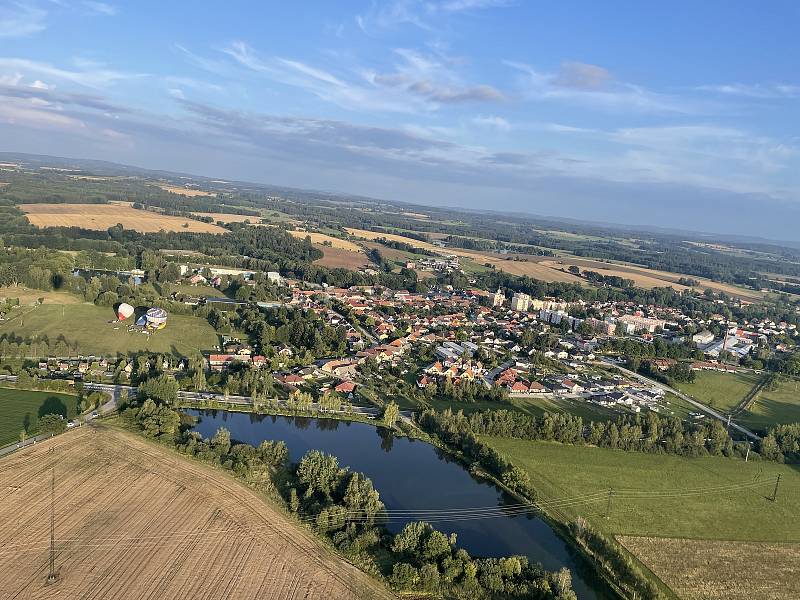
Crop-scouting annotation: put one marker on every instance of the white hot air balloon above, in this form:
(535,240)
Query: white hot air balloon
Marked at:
(124,311)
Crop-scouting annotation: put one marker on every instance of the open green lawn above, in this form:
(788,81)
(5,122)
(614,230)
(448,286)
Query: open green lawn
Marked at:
(535,407)
(559,471)
(722,391)
(773,407)
(21,409)
(88,325)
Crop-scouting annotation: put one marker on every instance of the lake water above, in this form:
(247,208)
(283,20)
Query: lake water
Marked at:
(413,475)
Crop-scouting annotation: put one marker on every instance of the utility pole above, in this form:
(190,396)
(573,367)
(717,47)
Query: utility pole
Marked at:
(746,456)
(775,491)
(608,506)
(51,578)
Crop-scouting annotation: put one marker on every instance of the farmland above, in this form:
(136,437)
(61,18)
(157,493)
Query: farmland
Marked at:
(184,191)
(89,327)
(559,471)
(228,218)
(319,238)
(722,391)
(135,520)
(719,570)
(100,217)
(21,409)
(341,258)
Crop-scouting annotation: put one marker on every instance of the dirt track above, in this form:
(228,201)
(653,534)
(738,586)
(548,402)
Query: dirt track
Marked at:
(134,520)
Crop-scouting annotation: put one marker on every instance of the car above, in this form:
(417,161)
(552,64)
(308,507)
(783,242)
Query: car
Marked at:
(95,414)
(70,424)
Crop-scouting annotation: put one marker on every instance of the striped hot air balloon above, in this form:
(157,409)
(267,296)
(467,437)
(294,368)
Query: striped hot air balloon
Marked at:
(124,311)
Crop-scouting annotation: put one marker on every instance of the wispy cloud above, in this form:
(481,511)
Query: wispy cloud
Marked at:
(99,8)
(492,121)
(418,82)
(19,19)
(430,78)
(758,90)
(592,85)
(424,14)
(87,74)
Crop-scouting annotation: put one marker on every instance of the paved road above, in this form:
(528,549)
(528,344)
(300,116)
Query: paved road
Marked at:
(682,396)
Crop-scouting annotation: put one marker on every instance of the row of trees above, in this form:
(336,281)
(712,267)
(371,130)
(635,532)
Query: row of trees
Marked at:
(640,433)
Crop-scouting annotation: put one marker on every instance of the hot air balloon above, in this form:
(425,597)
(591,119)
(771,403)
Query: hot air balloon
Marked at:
(124,311)
(156,318)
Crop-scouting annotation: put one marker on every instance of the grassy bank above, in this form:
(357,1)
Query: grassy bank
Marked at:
(738,513)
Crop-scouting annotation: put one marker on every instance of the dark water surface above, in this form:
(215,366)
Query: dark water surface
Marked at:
(413,475)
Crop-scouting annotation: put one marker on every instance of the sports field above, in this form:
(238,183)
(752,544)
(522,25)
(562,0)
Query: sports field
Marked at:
(135,520)
(89,326)
(664,495)
(21,409)
(722,391)
(102,216)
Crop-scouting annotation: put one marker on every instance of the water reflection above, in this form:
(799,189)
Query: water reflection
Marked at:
(415,476)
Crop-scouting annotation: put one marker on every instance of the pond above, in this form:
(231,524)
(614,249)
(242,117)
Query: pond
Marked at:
(414,476)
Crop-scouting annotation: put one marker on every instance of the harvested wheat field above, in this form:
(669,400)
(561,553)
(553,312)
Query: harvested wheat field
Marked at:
(102,216)
(339,258)
(318,238)
(228,218)
(649,278)
(373,235)
(177,189)
(134,520)
(711,570)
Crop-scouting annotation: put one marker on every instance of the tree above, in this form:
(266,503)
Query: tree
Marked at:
(52,424)
(391,413)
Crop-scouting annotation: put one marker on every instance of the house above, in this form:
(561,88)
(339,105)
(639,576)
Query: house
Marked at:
(197,279)
(340,368)
(220,362)
(572,386)
(346,387)
(291,379)
(536,388)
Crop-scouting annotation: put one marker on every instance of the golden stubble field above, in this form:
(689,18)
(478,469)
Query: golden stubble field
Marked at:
(335,242)
(192,192)
(721,570)
(102,216)
(228,218)
(134,520)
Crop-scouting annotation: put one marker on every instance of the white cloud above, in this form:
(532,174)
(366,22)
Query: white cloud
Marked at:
(492,121)
(758,90)
(424,14)
(19,19)
(591,85)
(418,83)
(88,74)
(99,8)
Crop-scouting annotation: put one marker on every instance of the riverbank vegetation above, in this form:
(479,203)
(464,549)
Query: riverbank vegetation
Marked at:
(344,507)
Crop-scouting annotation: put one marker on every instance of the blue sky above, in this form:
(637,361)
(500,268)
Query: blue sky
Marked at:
(679,114)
